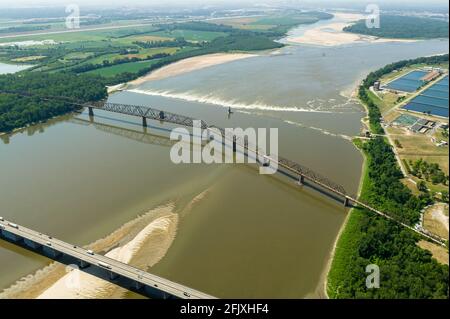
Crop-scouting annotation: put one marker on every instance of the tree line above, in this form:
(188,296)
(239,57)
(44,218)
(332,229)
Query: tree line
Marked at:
(403,27)
(90,66)
(18,111)
(406,270)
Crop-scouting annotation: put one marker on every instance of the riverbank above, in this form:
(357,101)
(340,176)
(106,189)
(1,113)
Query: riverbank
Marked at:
(344,244)
(188,65)
(333,34)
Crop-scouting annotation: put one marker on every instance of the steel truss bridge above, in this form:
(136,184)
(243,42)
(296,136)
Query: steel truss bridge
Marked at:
(305,175)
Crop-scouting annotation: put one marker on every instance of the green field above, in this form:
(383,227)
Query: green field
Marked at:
(132,67)
(190,35)
(285,20)
(88,35)
(143,53)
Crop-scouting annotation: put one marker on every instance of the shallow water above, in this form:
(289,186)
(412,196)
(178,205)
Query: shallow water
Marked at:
(12,68)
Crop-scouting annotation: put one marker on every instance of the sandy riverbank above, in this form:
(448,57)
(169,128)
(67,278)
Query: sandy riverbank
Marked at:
(189,65)
(332,34)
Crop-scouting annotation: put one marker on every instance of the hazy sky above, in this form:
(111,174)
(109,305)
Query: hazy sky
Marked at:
(197,3)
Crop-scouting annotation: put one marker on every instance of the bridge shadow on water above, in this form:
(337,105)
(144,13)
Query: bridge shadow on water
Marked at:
(144,137)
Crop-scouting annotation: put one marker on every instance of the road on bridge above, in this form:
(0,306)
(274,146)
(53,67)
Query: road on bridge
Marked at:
(109,264)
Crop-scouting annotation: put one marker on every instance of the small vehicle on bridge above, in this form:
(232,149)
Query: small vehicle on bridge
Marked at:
(13,225)
(104,265)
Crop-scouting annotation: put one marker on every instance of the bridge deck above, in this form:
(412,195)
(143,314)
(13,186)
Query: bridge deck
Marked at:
(117,267)
(291,166)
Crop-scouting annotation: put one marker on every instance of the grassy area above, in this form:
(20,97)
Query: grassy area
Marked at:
(132,67)
(285,20)
(346,248)
(78,56)
(389,100)
(348,241)
(438,252)
(189,35)
(433,223)
(144,38)
(29,58)
(416,144)
(143,53)
(83,35)
(247,23)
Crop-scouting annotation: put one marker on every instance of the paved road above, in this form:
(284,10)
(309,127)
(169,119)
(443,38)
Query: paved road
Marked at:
(109,264)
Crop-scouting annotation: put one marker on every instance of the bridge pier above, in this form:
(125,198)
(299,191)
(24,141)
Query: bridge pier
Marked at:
(91,111)
(138,285)
(83,264)
(113,275)
(15,238)
(234,144)
(346,202)
(52,253)
(144,121)
(301,180)
(31,244)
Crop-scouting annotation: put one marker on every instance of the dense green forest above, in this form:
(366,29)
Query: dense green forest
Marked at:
(374,112)
(406,270)
(18,111)
(403,27)
(385,190)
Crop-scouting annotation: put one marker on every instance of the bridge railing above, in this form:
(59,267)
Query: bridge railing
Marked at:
(147,112)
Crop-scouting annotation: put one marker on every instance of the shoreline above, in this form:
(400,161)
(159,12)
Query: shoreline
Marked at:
(333,34)
(344,225)
(185,66)
(328,267)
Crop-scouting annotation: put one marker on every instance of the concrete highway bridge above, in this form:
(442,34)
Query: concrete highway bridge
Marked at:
(98,265)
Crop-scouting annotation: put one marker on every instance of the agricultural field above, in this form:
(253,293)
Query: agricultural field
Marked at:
(143,53)
(132,67)
(268,22)
(120,51)
(83,35)
(129,40)
(189,35)
(29,58)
